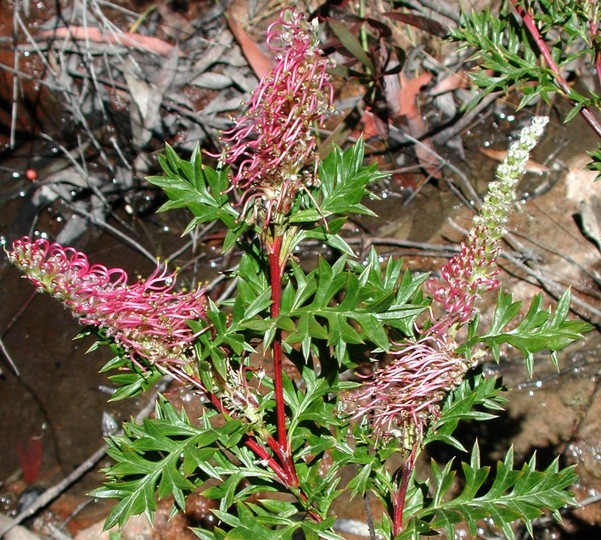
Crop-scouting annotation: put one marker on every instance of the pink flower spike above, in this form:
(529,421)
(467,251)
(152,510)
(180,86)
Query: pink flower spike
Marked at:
(403,397)
(273,142)
(148,319)
(473,271)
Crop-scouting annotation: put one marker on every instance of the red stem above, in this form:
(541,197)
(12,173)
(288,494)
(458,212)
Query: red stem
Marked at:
(282,464)
(260,451)
(275,275)
(398,498)
(249,441)
(585,112)
(594,40)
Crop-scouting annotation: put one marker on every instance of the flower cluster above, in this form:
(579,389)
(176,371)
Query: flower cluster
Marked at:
(274,140)
(404,396)
(472,271)
(148,319)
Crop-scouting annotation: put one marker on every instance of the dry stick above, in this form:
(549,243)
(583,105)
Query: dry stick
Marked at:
(594,26)
(109,228)
(80,117)
(89,66)
(593,275)
(14,319)
(29,77)
(52,493)
(35,45)
(191,243)
(585,112)
(15,101)
(369,516)
(397,242)
(113,230)
(444,163)
(458,126)
(81,168)
(9,358)
(440,7)
(176,103)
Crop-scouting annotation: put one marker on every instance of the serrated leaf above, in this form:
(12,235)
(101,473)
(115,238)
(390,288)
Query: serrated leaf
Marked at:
(154,459)
(200,189)
(366,310)
(538,330)
(350,43)
(344,180)
(514,495)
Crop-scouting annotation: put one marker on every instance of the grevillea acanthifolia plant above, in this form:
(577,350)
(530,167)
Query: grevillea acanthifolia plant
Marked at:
(276,365)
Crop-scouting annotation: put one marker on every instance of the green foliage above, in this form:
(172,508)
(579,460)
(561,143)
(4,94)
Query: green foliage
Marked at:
(351,43)
(499,45)
(132,378)
(513,494)
(155,459)
(537,331)
(281,426)
(510,60)
(372,300)
(329,319)
(286,427)
(343,181)
(475,399)
(200,189)
(595,164)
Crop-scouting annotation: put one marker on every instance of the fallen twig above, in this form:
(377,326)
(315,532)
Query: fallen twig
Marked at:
(9,357)
(126,39)
(592,314)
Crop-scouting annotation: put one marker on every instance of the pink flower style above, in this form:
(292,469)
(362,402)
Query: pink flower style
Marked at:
(274,140)
(148,319)
(465,277)
(405,395)
(401,398)
(473,271)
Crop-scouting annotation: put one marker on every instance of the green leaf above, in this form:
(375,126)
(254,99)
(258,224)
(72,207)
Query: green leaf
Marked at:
(350,43)
(509,58)
(302,403)
(373,301)
(539,329)
(132,379)
(522,494)
(157,458)
(476,398)
(199,188)
(247,524)
(595,164)
(343,183)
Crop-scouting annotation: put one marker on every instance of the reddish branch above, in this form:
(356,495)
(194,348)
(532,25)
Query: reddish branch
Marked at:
(585,112)
(399,497)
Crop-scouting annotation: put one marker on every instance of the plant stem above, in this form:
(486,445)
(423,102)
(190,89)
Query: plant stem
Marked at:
(262,453)
(594,13)
(280,468)
(275,275)
(585,112)
(398,498)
